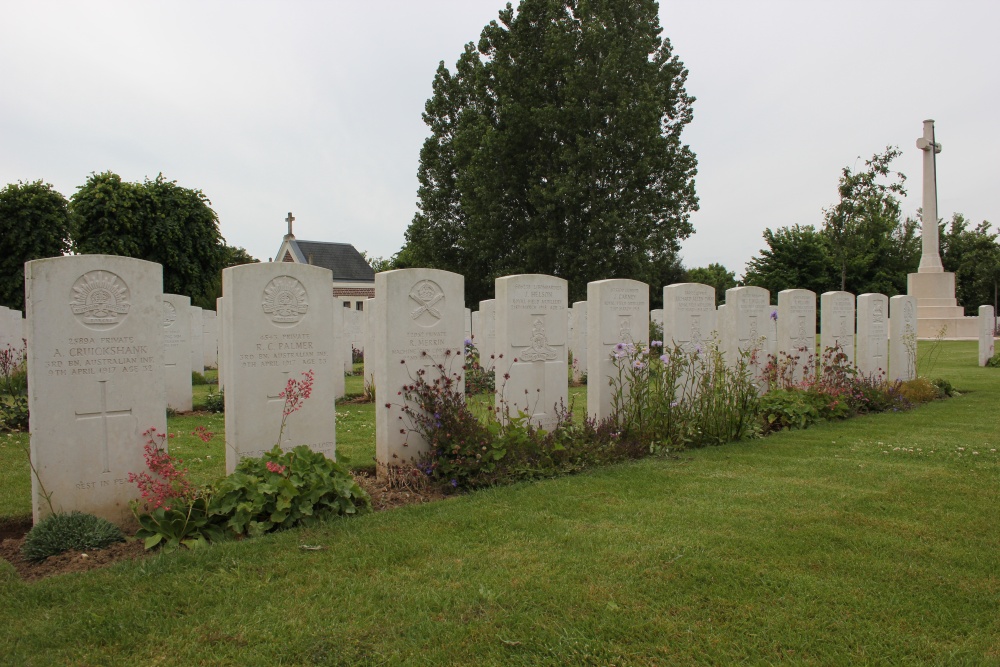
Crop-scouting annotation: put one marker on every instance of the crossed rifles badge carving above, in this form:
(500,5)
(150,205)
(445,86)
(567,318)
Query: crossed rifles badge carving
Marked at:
(427,295)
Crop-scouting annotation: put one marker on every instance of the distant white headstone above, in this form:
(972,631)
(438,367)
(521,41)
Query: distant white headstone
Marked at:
(836,312)
(579,341)
(468,324)
(749,326)
(486,340)
(219,305)
(210,338)
(95,379)
(337,351)
(531,336)
(177,351)
(618,321)
(419,322)
(903,337)
(797,332)
(197,340)
(656,317)
(689,316)
(987,321)
(873,332)
(354,336)
(276,327)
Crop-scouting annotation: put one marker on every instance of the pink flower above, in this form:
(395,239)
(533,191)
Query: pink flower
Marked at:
(274,467)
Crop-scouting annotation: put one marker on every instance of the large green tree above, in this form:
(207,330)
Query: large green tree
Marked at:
(973,255)
(796,257)
(555,148)
(716,275)
(871,245)
(156,220)
(34,224)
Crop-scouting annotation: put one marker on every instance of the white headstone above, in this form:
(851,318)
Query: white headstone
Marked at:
(210,338)
(903,337)
(656,317)
(468,324)
(797,332)
(197,340)
(531,336)
(618,317)
(177,351)
(749,326)
(372,338)
(486,341)
(219,305)
(873,332)
(477,326)
(836,312)
(336,336)
(986,324)
(95,379)
(579,341)
(276,327)
(418,320)
(354,336)
(689,316)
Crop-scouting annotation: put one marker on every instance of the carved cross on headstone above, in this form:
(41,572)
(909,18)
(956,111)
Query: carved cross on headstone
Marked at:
(930,258)
(290,219)
(800,339)
(104,414)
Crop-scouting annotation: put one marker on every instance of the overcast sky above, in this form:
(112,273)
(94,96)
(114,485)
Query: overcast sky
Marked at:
(314,107)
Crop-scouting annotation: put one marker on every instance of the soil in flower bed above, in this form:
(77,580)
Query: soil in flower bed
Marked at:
(13,530)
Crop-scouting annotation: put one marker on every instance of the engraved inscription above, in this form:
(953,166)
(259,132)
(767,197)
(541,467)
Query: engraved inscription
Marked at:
(100,300)
(285,300)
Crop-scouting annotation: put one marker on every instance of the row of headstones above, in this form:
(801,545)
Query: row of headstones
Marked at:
(97,357)
(12,331)
(191,344)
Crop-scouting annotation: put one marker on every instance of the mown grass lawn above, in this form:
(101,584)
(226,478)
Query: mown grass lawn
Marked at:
(871,541)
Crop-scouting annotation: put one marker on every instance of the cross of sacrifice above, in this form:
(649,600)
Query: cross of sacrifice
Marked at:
(104,414)
(930,258)
(290,219)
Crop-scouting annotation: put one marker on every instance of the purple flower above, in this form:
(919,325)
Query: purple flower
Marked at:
(774,315)
(454,482)
(665,358)
(620,347)
(656,343)
(468,342)
(638,365)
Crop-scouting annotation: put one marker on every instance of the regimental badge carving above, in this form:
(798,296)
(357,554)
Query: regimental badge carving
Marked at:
(625,329)
(696,334)
(878,315)
(429,298)
(100,299)
(539,348)
(169,314)
(285,300)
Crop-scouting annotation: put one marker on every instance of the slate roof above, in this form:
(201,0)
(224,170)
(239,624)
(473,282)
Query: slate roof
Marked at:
(343,259)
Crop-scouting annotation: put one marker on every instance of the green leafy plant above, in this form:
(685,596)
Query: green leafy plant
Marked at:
(198,378)
(14,413)
(74,531)
(994,361)
(284,489)
(215,401)
(190,523)
(790,409)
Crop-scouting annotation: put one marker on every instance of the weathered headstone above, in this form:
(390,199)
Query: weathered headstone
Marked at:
(903,337)
(177,351)
(987,322)
(276,327)
(354,336)
(618,324)
(836,313)
(748,327)
(220,338)
(873,332)
(197,340)
(579,343)
(419,324)
(210,338)
(656,318)
(689,316)
(531,336)
(797,333)
(486,341)
(95,379)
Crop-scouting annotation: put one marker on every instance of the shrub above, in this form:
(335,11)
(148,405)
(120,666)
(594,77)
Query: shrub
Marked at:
(944,387)
(478,380)
(74,531)
(13,371)
(14,413)
(215,401)
(284,489)
(790,408)
(994,361)
(919,390)
(198,378)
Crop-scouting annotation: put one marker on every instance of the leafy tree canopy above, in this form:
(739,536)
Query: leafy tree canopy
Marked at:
(796,257)
(973,255)
(34,224)
(715,275)
(156,220)
(555,148)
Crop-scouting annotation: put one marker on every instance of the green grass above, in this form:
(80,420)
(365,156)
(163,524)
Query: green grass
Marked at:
(869,541)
